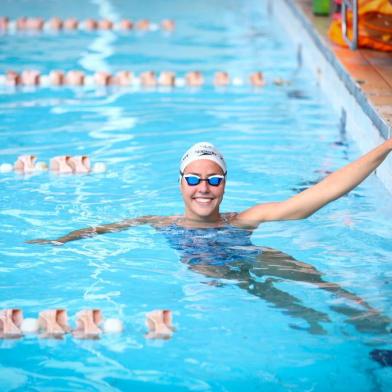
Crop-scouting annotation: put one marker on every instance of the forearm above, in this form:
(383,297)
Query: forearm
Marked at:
(351,175)
(79,234)
(340,182)
(102,229)
(312,199)
(93,231)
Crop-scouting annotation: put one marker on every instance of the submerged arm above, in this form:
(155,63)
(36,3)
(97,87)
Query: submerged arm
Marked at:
(101,229)
(330,188)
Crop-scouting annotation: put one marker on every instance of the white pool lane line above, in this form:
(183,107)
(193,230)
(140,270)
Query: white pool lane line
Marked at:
(94,59)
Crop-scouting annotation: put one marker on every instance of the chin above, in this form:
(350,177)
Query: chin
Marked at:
(203,212)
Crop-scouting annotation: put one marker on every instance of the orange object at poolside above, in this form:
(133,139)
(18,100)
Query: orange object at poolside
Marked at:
(374,26)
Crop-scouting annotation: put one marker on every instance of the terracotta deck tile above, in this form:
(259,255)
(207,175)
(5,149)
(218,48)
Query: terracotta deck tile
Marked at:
(371,69)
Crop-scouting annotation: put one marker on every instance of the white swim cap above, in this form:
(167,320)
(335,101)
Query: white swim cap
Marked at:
(203,150)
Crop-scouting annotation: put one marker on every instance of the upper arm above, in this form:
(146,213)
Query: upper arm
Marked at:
(299,206)
(266,212)
(126,223)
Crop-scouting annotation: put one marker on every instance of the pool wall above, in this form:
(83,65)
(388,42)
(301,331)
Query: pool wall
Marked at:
(358,116)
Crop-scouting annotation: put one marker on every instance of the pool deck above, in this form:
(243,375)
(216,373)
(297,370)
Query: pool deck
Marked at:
(370,72)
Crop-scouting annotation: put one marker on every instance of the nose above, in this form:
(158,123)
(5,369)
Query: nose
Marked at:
(204,187)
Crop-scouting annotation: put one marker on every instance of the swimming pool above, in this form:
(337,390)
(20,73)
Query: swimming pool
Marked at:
(276,141)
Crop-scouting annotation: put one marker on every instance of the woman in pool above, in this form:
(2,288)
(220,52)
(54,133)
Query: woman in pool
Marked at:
(218,244)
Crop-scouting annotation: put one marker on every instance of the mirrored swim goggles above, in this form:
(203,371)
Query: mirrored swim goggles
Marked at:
(193,179)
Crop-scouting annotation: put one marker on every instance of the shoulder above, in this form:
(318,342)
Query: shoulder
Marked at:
(161,221)
(236,219)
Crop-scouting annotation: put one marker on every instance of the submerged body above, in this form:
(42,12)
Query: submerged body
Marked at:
(227,253)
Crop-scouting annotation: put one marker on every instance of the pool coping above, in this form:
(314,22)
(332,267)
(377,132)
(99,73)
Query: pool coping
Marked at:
(358,115)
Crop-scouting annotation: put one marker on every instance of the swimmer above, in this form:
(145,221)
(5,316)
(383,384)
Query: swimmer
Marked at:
(126,24)
(257,79)
(202,184)
(218,245)
(194,79)
(221,79)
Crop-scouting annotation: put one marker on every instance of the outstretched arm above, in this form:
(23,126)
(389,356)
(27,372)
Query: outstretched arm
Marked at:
(102,229)
(312,199)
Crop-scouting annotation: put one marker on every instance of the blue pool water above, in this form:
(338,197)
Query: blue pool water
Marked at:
(231,332)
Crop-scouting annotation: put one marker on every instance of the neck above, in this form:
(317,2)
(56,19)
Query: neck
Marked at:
(214,218)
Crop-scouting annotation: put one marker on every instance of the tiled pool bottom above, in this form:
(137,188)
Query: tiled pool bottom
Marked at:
(276,141)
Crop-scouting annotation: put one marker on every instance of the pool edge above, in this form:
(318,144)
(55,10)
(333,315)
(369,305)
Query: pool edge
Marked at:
(363,123)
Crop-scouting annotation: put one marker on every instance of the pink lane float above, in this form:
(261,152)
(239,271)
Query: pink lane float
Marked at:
(10,323)
(26,164)
(75,164)
(160,324)
(25,24)
(87,324)
(221,79)
(65,164)
(124,78)
(53,324)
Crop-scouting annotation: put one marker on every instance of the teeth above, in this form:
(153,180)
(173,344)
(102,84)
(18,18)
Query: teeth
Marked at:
(202,200)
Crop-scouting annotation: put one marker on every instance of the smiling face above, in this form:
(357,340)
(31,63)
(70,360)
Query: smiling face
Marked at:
(202,201)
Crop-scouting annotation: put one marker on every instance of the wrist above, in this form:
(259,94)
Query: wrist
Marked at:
(389,144)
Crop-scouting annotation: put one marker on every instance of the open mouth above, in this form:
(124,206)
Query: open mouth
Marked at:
(203,200)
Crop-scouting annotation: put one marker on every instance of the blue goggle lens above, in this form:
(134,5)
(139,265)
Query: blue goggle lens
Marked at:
(214,181)
(193,180)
